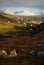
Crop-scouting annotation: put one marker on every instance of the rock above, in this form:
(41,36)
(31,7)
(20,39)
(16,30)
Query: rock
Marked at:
(40,43)
(32,51)
(13,53)
(40,53)
(3,52)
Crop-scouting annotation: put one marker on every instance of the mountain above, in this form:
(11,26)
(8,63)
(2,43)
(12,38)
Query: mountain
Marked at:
(6,16)
(8,12)
(29,13)
(25,13)
(36,16)
(41,14)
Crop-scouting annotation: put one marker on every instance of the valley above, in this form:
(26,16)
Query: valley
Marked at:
(22,39)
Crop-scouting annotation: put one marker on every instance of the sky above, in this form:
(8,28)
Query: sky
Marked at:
(20,5)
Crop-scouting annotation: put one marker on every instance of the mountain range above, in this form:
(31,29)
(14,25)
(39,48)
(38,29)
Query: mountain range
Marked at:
(24,13)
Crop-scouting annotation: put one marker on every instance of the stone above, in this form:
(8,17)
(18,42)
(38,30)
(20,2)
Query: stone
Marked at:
(13,53)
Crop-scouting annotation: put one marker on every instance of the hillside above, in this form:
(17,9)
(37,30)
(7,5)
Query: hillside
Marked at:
(14,17)
(22,38)
(24,46)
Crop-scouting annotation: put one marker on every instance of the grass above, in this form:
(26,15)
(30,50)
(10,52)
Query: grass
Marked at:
(20,43)
(13,28)
(6,27)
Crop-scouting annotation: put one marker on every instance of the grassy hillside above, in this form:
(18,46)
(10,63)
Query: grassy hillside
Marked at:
(10,39)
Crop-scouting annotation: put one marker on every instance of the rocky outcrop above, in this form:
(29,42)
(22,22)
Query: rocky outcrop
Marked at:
(13,53)
(3,52)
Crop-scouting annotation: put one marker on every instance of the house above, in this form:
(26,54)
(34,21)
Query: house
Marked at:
(24,23)
(36,22)
(18,21)
(8,21)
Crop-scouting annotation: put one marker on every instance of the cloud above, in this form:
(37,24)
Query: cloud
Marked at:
(41,14)
(29,13)
(22,2)
(8,12)
(24,13)
(35,4)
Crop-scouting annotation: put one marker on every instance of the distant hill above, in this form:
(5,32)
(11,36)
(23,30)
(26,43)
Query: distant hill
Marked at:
(6,16)
(29,13)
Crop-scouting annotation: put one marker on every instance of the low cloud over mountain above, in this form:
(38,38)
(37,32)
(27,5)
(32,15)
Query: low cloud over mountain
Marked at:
(8,12)
(41,14)
(29,13)
(25,13)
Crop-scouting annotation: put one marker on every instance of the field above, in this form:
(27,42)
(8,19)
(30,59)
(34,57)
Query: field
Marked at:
(6,28)
(17,36)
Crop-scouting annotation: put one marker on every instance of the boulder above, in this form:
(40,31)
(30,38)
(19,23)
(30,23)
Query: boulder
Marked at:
(13,53)
(40,53)
(40,43)
(3,52)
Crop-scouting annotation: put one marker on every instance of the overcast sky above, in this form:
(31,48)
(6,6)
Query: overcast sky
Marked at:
(14,5)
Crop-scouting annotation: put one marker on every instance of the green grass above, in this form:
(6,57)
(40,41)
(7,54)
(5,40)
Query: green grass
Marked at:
(6,27)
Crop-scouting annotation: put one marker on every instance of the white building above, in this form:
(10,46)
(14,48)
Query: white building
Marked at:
(8,21)
(36,22)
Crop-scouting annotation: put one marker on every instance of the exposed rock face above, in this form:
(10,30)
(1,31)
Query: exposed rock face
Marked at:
(13,53)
